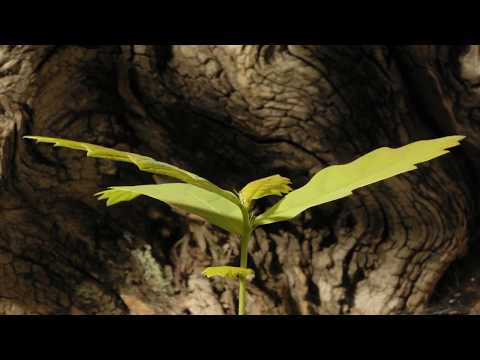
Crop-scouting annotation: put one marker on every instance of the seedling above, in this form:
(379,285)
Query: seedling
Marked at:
(234,212)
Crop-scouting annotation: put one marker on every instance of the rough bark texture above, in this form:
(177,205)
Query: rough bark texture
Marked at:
(232,113)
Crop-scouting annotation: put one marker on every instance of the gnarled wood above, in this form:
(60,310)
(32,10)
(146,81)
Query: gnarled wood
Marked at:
(231,113)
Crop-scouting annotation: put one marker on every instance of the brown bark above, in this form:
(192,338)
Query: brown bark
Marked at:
(231,113)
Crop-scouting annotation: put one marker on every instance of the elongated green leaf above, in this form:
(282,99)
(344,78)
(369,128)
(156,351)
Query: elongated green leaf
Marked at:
(272,185)
(227,271)
(144,163)
(338,181)
(206,204)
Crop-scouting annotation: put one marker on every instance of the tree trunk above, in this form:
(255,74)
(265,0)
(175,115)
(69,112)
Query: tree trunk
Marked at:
(232,113)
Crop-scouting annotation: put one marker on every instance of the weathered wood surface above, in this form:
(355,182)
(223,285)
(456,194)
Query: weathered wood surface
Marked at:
(232,113)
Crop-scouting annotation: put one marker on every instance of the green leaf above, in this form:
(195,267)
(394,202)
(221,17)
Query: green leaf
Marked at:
(227,271)
(206,204)
(272,185)
(144,163)
(338,181)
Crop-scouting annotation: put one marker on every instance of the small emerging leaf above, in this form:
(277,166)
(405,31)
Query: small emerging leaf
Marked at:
(208,205)
(272,185)
(338,181)
(228,272)
(144,163)
(114,197)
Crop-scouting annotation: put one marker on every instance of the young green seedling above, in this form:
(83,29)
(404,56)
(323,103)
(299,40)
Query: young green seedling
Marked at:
(234,213)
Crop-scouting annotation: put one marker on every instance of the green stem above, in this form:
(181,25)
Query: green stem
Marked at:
(242,291)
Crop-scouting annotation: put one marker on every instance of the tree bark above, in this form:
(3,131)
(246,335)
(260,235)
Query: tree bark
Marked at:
(232,113)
